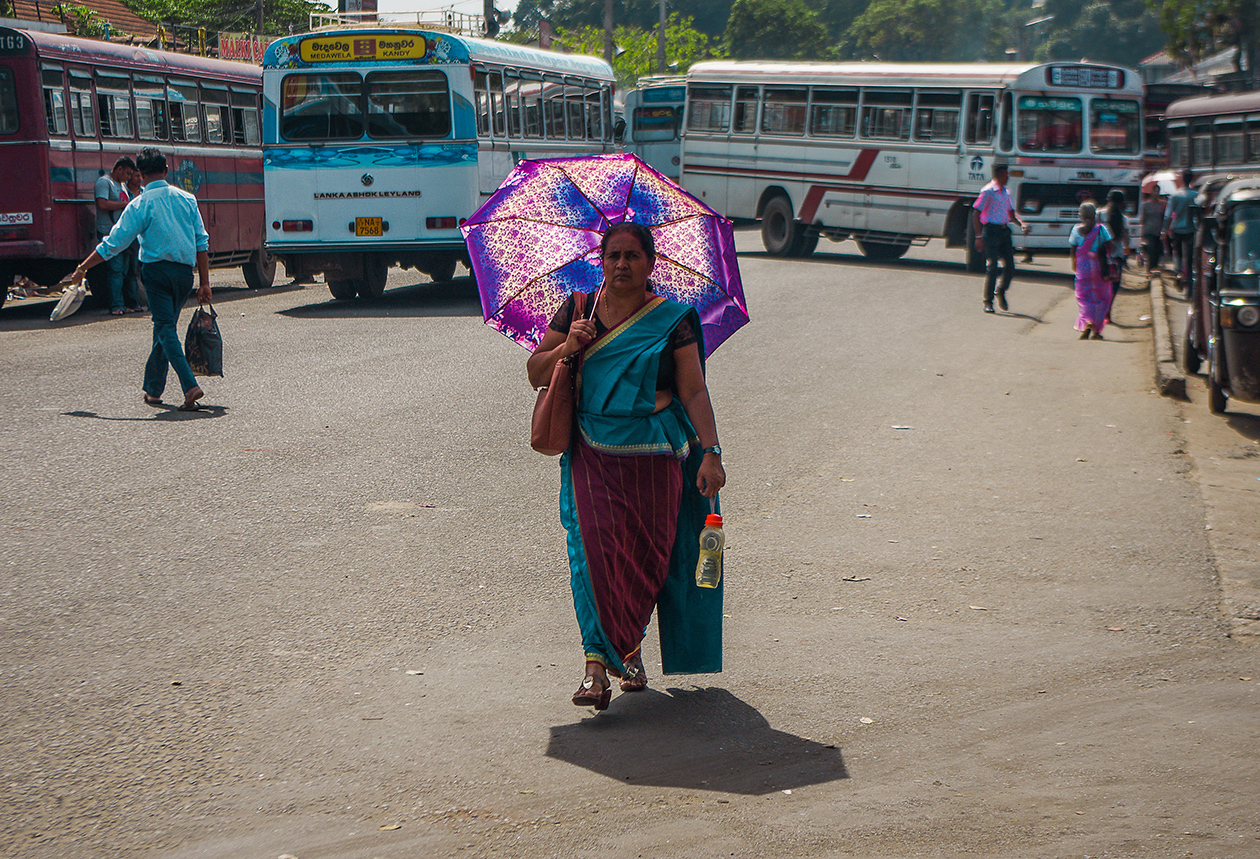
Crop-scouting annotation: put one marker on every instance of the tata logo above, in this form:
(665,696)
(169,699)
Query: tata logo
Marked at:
(366,179)
(1086,175)
(977,164)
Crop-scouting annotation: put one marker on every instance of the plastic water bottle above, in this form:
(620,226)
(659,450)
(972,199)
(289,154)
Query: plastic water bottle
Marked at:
(712,540)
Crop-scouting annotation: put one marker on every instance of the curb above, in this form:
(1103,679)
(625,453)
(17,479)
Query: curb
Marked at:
(1169,379)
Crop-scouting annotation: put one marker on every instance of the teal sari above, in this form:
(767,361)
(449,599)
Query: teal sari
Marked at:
(629,502)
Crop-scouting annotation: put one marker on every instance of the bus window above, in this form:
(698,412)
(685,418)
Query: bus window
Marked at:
(655,123)
(1115,127)
(745,110)
(709,109)
(496,103)
(8,102)
(594,112)
(1006,123)
(1253,139)
(834,113)
(1049,124)
(54,83)
(321,106)
(113,99)
(980,108)
(532,106)
(936,116)
(1201,145)
(1177,149)
(82,116)
(553,107)
(245,126)
(512,102)
(152,122)
(410,103)
(886,114)
(185,111)
(575,109)
(1229,140)
(218,116)
(784,111)
(481,102)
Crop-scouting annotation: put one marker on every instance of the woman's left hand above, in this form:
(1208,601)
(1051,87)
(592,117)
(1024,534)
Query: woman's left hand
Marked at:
(711,476)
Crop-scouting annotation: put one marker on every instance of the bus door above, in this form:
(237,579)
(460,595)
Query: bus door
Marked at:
(975,151)
(706,145)
(934,163)
(494,158)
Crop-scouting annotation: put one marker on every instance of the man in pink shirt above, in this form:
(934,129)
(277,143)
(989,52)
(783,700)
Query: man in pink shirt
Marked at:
(991,215)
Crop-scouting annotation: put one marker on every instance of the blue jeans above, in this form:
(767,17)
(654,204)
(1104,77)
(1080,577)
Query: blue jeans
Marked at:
(168,286)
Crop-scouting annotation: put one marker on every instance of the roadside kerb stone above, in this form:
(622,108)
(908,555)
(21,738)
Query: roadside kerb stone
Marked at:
(1169,379)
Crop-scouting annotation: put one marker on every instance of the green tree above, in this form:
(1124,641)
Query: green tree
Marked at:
(1198,29)
(1106,31)
(928,30)
(85,22)
(644,14)
(278,15)
(776,30)
(636,56)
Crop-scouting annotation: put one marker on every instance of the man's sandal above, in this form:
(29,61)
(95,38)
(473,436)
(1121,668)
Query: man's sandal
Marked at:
(593,693)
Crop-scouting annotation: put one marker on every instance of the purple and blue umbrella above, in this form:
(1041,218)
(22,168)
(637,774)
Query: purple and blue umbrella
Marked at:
(536,240)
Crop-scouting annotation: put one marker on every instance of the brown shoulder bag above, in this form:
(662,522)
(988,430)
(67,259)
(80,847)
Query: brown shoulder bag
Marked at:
(552,428)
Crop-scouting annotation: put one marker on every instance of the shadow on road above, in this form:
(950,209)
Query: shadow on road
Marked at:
(699,739)
(457,297)
(166,413)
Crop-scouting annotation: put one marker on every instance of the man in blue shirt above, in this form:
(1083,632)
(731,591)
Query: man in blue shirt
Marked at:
(172,240)
(1179,228)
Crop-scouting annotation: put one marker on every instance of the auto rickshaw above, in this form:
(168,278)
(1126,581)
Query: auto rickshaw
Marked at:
(1233,299)
(1198,332)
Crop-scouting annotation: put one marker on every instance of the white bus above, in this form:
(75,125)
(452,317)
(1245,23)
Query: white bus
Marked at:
(654,114)
(894,154)
(379,141)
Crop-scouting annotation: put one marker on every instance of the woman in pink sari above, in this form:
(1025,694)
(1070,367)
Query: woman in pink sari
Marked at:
(1089,242)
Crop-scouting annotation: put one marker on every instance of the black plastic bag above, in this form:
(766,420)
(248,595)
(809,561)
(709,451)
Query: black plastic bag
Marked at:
(203,345)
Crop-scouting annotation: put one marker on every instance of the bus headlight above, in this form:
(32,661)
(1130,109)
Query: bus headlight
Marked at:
(1248,315)
(1030,207)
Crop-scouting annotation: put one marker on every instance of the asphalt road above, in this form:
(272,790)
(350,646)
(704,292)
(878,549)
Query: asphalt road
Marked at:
(974,607)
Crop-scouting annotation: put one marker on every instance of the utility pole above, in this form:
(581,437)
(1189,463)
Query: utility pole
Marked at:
(660,43)
(260,17)
(608,27)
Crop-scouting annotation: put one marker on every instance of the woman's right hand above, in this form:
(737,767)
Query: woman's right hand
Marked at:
(581,332)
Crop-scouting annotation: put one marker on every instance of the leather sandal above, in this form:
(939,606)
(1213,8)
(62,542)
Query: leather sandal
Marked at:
(593,693)
(635,678)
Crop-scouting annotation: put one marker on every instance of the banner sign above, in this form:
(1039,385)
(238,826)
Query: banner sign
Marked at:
(243,47)
(335,49)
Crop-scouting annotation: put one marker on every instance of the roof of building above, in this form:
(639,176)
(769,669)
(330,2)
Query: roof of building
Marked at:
(121,19)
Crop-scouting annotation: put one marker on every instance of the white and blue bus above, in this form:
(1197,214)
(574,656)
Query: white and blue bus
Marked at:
(380,141)
(654,117)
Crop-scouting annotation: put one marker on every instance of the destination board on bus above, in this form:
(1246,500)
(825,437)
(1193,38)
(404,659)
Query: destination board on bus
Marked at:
(343,49)
(1085,77)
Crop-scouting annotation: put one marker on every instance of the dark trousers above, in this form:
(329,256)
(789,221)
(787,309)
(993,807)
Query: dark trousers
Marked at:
(997,244)
(1183,249)
(168,286)
(1153,247)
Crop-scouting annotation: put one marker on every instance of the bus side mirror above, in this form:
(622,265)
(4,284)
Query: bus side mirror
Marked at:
(619,129)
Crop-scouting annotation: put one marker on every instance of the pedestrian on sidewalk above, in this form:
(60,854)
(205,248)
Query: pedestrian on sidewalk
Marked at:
(133,290)
(172,239)
(991,215)
(1179,228)
(1151,215)
(1118,250)
(1088,242)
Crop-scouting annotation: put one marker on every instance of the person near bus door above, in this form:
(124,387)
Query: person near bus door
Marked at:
(111,199)
(991,215)
(173,240)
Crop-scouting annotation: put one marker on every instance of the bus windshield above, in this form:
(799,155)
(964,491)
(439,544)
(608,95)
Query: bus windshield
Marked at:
(408,104)
(1114,127)
(8,102)
(1244,241)
(322,106)
(1049,124)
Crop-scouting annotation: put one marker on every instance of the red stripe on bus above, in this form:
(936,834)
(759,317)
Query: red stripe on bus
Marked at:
(861,166)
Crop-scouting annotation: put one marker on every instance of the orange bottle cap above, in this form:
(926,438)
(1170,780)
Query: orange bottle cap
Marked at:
(713,520)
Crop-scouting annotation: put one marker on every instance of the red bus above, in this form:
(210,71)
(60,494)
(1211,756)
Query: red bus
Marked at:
(70,107)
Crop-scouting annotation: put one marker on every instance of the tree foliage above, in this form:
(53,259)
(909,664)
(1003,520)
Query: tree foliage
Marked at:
(776,30)
(279,16)
(1110,31)
(571,15)
(86,22)
(927,30)
(636,47)
(1200,28)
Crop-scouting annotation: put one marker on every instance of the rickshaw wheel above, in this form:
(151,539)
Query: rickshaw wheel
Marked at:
(1190,360)
(1217,401)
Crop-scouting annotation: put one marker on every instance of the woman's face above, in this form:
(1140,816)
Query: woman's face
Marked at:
(626,265)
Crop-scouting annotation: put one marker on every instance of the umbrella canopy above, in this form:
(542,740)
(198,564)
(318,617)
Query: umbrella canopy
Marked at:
(536,240)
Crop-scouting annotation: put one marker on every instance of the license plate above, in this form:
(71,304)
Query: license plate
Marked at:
(368,227)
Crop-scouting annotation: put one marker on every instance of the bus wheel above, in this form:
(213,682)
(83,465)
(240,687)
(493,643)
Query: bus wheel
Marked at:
(975,259)
(343,289)
(779,231)
(260,271)
(880,251)
(809,243)
(443,270)
(375,273)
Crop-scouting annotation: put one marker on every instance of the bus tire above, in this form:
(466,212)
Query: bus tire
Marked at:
(343,290)
(443,270)
(260,271)
(883,251)
(809,242)
(975,259)
(780,232)
(375,273)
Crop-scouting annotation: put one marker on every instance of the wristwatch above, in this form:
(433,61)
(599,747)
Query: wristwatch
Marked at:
(717,448)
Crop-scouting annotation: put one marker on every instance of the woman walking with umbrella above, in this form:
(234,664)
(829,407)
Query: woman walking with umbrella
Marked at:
(643,459)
